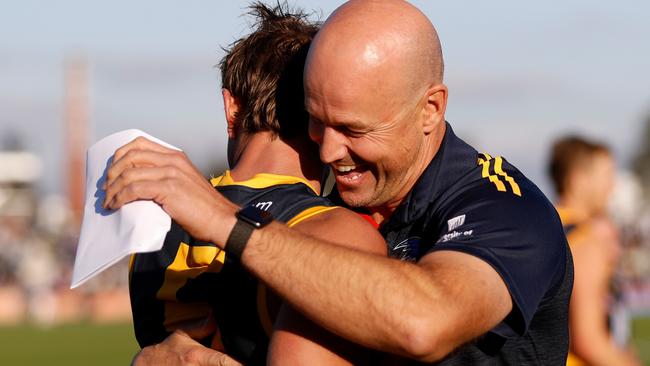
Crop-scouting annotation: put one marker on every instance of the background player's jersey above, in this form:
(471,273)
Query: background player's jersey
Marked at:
(187,280)
(571,229)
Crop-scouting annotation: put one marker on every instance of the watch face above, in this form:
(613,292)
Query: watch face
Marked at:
(255,216)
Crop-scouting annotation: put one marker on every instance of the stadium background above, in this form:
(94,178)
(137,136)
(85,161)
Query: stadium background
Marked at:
(520,74)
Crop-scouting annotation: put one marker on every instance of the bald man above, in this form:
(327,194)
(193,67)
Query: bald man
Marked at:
(480,272)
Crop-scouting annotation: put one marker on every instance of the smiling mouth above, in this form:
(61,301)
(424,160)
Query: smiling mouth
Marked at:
(348,174)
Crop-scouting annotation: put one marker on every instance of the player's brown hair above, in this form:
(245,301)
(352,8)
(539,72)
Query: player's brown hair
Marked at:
(570,153)
(263,71)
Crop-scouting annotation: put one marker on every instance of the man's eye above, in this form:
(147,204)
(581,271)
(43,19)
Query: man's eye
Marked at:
(352,132)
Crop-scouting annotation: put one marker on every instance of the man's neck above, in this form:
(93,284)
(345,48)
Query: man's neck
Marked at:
(264,154)
(430,148)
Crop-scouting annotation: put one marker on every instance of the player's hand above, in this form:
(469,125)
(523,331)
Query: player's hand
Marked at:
(180,349)
(145,170)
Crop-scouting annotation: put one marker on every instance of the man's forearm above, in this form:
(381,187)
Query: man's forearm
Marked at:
(368,299)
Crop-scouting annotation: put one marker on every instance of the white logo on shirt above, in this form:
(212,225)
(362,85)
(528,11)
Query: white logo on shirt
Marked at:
(455,222)
(263,205)
(455,235)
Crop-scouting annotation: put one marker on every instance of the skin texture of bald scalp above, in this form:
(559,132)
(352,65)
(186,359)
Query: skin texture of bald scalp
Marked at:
(404,28)
(384,80)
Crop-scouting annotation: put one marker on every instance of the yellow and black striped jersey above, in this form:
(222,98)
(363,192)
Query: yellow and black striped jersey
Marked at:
(189,280)
(575,231)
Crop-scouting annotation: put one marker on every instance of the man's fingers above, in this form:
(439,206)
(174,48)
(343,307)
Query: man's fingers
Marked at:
(138,158)
(147,158)
(141,143)
(131,150)
(216,358)
(132,175)
(195,353)
(140,190)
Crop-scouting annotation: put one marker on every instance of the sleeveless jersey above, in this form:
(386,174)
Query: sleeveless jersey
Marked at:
(572,229)
(188,280)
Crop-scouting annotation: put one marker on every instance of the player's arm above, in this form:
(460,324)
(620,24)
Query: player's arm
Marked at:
(296,340)
(422,310)
(590,337)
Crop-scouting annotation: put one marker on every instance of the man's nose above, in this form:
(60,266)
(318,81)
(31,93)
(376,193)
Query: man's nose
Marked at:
(332,145)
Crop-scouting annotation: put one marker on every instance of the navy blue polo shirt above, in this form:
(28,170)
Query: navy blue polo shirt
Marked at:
(483,206)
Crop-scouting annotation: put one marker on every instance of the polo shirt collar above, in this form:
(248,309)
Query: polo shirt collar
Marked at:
(453,160)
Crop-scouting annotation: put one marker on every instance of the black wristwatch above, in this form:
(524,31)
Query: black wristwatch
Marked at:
(248,219)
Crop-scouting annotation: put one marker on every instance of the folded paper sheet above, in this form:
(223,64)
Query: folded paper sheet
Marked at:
(106,235)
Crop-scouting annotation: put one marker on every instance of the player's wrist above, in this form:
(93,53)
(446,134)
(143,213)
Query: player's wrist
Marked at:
(222,221)
(248,220)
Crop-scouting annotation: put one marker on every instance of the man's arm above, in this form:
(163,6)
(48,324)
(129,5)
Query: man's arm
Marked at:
(422,310)
(590,338)
(296,340)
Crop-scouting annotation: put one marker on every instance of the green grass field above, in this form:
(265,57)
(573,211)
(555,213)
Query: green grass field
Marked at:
(641,338)
(89,344)
(79,344)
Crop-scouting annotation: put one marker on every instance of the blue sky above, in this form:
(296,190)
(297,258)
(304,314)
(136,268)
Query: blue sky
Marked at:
(519,73)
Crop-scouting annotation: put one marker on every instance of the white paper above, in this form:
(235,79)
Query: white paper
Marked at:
(106,235)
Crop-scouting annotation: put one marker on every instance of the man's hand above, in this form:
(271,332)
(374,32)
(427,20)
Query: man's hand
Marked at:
(180,349)
(145,170)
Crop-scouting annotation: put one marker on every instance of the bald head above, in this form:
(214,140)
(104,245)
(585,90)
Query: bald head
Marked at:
(374,93)
(363,36)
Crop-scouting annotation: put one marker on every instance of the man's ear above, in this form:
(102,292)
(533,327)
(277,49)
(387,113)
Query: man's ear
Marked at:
(231,107)
(434,108)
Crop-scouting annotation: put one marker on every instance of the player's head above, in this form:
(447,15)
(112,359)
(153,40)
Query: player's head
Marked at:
(374,92)
(261,77)
(582,172)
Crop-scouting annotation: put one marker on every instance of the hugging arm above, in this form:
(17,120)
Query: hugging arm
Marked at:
(296,340)
(420,310)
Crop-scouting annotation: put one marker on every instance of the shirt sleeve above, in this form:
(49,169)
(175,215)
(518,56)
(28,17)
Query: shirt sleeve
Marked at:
(520,236)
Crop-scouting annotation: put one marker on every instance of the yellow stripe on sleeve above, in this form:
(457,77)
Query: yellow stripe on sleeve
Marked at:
(260,180)
(493,178)
(499,170)
(190,261)
(312,211)
(131,262)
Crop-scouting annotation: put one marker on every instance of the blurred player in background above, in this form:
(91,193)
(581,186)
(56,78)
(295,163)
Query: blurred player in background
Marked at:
(583,175)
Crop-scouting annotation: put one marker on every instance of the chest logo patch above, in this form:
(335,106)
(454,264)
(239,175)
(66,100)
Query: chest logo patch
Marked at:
(263,205)
(455,222)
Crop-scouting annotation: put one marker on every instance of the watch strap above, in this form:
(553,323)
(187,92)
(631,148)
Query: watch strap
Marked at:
(238,238)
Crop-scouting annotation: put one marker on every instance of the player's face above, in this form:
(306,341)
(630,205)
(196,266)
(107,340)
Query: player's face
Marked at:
(601,174)
(369,139)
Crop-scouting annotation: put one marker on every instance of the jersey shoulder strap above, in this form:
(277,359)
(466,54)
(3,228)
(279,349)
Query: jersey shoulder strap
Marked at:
(289,199)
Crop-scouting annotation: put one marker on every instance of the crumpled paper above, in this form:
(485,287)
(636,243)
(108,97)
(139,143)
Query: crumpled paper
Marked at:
(107,235)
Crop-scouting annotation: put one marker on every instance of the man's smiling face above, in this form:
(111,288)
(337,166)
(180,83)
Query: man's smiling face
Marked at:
(374,92)
(366,132)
